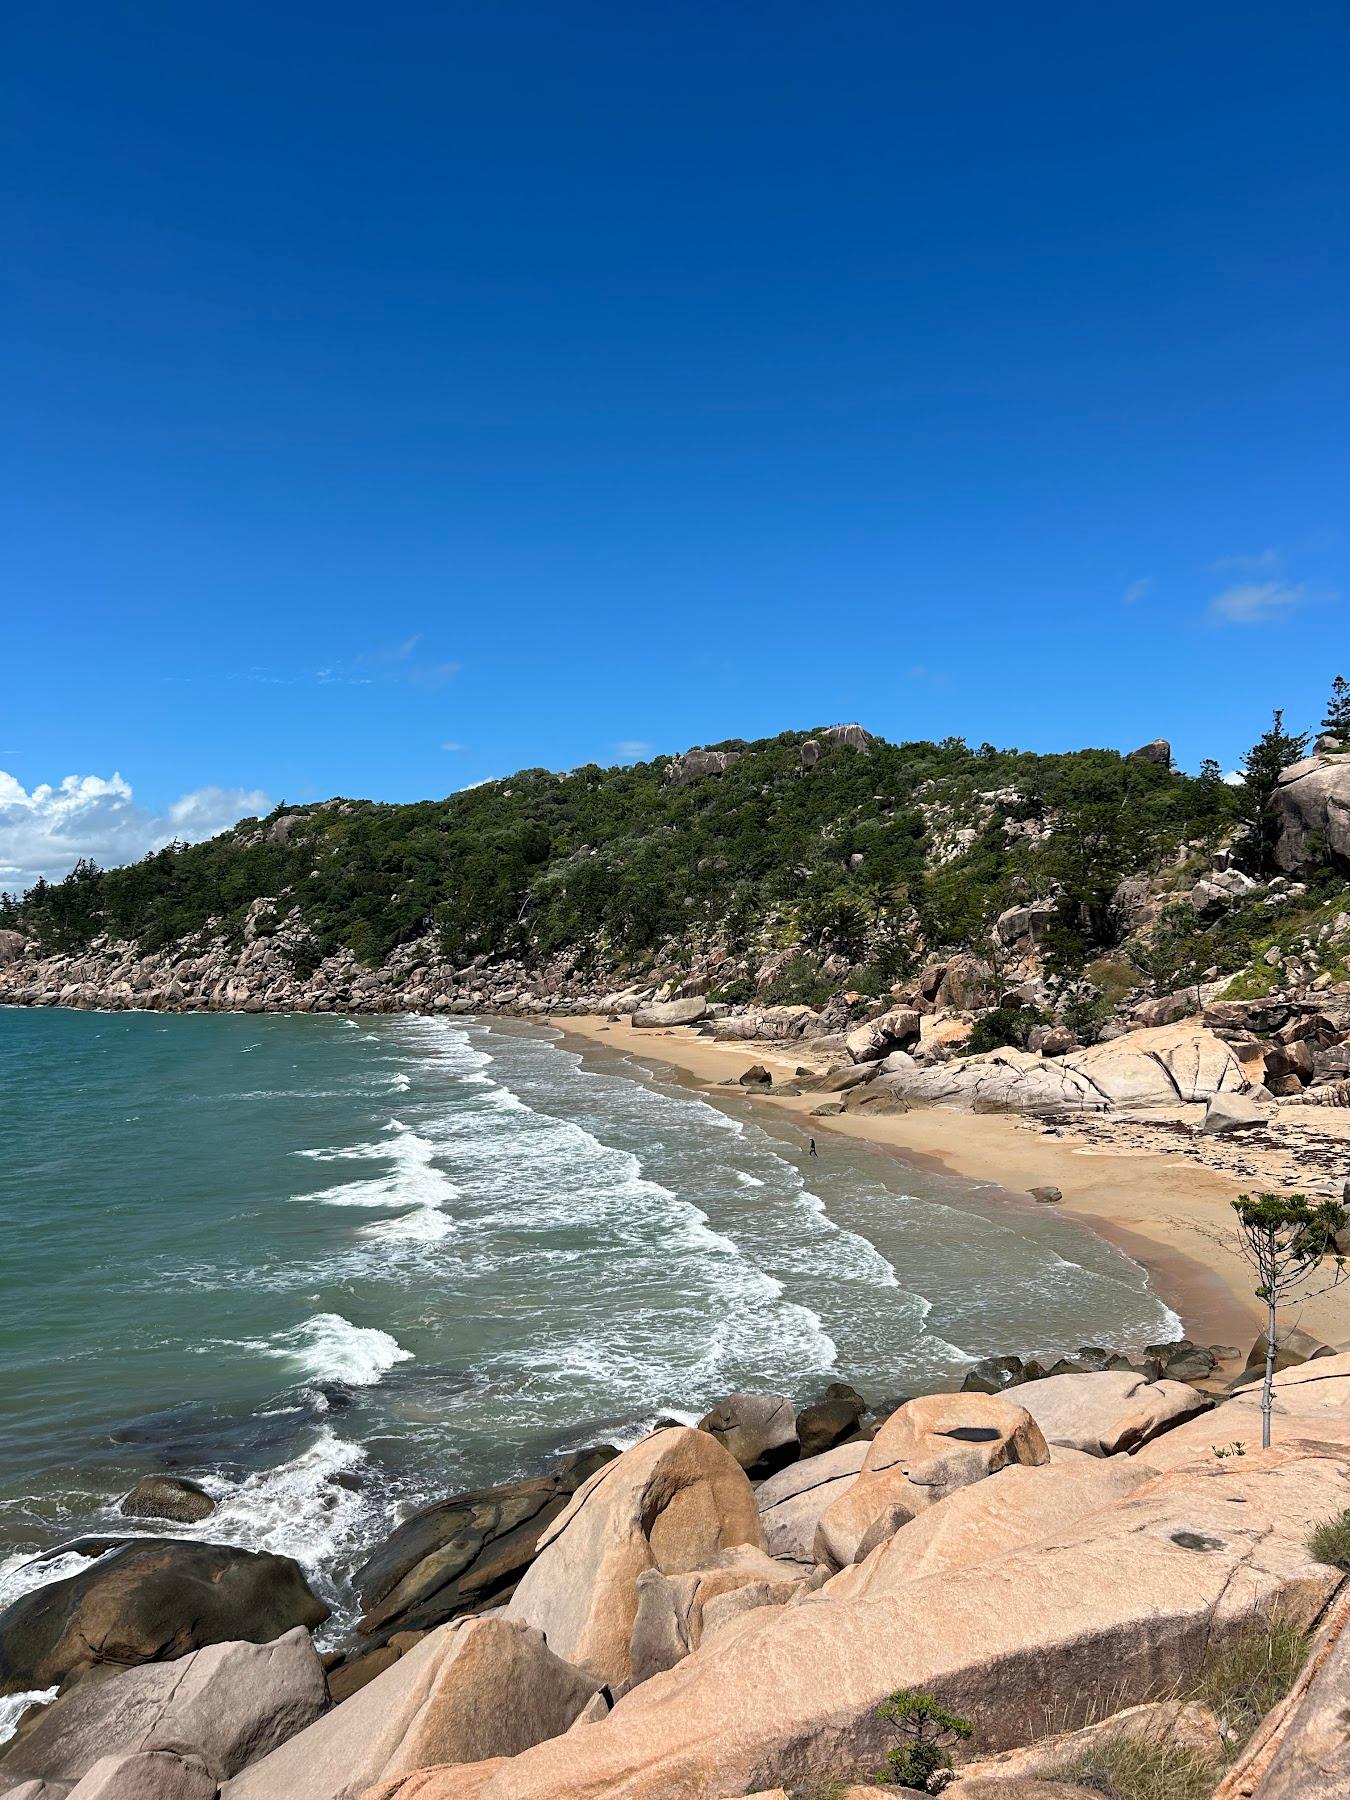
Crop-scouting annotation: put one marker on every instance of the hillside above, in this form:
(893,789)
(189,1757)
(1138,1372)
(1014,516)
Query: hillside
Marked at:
(795,869)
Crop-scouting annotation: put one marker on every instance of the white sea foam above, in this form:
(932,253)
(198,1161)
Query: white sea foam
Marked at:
(423,1225)
(20,1574)
(14,1706)
(746,1179)
(300,1508)
(409,1175)
(330,1348)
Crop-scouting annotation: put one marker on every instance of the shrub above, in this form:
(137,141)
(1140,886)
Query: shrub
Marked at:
(929,1730)
(800,982)
(1330,1542)
(1005,1025)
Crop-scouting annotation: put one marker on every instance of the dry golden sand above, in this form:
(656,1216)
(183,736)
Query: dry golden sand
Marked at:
(1142,1183)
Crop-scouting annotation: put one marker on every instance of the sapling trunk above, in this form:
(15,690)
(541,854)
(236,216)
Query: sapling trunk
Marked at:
(1268,1387)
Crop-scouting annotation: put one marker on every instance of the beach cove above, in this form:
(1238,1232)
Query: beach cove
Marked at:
(1131,1181)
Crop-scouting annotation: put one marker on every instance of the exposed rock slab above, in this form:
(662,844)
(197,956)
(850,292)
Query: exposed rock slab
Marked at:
(1301,1749)
(1124,1605)
(1109,1413)
(791,1502)
(474,1689)
(1020,1505)
(229,1704)
(147,1775)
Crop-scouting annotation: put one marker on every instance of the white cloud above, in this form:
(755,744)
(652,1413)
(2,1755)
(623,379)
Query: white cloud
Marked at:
(453,746)
(1264,562)
(1256,602)
(632,749)
(47,831)
(1137,590)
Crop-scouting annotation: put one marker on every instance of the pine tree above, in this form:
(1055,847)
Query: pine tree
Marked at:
(1337,722)
(1261,769)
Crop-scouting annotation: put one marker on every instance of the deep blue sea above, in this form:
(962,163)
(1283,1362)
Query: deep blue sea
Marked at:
(334,1268)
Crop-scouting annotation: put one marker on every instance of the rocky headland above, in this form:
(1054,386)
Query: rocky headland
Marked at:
(1070,1560)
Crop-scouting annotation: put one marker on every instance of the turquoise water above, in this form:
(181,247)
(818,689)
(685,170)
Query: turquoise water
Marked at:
(335,1268)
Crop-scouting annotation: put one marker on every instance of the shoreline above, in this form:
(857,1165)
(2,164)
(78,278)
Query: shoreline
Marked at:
(1167,1212)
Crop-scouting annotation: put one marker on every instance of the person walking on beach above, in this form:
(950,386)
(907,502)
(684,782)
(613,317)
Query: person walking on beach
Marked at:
(813,1146)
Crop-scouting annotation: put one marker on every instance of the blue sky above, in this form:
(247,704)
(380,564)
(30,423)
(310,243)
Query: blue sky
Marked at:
(398,397)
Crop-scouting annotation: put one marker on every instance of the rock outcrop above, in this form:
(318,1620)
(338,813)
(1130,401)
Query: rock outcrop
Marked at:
(791,1502)
(1168,1065)
(894,1030)
(673,1502)
(1119,1608)
(1107,1414)
(476,1689)
(466,1552)
(1311,812)
(670,1012)
(227,1706)
(694,764)
(151,1601)
(924,1452)
(759,1430)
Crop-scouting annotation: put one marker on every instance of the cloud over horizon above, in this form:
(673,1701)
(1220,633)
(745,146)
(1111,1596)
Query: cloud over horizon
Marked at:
(46,832)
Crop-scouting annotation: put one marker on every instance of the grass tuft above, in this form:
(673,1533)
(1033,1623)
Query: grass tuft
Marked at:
(1244,1680)
(1126,1768)
(1330,1542)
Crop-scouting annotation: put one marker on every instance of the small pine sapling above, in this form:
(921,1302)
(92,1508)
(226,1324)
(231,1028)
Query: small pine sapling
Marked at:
(928,1731)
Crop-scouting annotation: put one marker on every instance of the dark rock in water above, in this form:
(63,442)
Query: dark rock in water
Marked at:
(168,1497)
(197,1437)
(759,1430)
(1183,1360)
(150,1601)
(1147,1366)
(1093,1358)
(579,1465)
(831,1420)
(993,1375)
(1048,1196)
(467,1552)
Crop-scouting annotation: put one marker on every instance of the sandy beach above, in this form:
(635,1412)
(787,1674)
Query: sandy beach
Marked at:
(1137,1181)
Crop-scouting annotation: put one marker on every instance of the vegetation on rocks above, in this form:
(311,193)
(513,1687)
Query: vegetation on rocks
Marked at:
(927,1730)
(1330,1542)
(1289,1242)
(1243,1679)
(826,870)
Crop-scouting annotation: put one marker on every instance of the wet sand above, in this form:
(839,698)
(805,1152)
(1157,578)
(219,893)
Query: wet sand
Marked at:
(1170,1212)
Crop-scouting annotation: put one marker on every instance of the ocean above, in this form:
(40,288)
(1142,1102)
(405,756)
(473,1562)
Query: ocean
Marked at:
(335,1268)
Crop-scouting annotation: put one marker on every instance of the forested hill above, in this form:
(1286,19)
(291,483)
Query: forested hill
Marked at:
(862,852)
